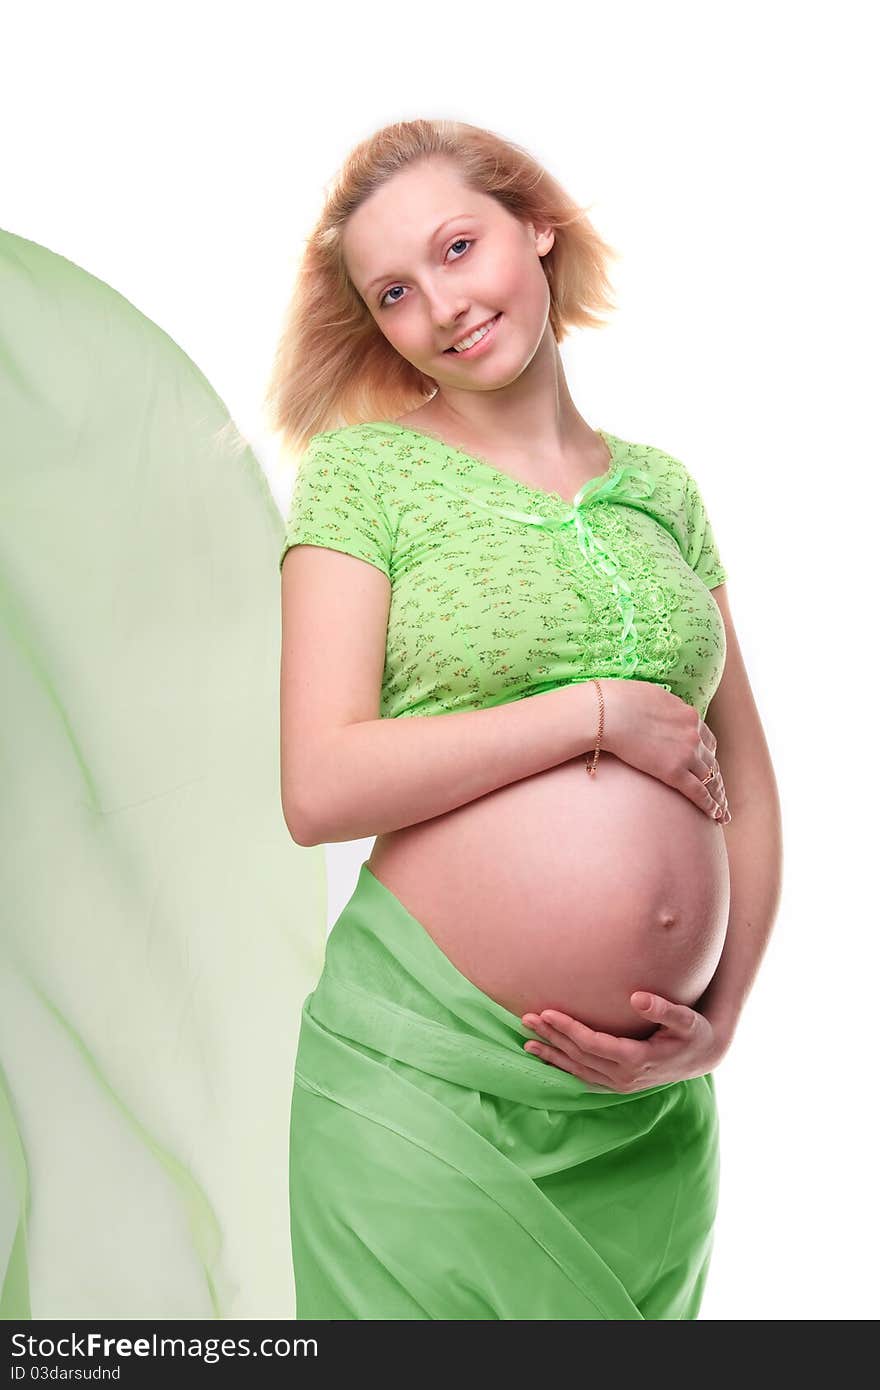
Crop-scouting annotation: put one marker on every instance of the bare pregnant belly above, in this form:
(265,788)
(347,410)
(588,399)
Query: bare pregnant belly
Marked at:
(568,892)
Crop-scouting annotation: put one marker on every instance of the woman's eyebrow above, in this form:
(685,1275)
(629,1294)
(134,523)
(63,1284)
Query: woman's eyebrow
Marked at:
(389,274)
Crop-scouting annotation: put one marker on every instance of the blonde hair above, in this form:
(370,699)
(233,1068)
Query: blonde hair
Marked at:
(333,366)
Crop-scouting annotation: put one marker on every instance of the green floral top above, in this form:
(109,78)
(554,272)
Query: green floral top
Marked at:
(501,590)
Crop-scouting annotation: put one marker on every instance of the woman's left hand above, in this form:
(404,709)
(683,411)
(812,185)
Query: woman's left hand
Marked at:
(685,1045)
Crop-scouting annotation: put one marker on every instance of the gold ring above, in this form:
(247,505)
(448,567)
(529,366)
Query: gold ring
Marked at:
(709,776)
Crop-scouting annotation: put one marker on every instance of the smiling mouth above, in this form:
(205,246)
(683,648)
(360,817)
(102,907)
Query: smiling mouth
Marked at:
(488,324)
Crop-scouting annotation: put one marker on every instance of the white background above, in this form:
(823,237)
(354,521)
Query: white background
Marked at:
(180,153)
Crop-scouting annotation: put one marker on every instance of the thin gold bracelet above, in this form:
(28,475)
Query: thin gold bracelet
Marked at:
(591,768)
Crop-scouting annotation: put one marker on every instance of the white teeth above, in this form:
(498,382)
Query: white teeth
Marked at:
(474,338)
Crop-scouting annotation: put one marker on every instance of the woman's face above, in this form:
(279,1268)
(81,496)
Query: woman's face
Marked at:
(433,260)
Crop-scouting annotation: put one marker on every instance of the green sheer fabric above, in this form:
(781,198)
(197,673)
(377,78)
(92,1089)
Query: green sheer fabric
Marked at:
(160,929)
(440,1172)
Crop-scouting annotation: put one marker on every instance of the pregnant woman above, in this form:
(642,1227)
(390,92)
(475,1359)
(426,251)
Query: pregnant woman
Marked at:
(502,630)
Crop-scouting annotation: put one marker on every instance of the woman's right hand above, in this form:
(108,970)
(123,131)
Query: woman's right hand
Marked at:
(655,731)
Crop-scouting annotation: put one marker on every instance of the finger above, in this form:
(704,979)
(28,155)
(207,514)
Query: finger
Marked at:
(708,798)
(711,793)
(559,1043)
(553,1057)
(676,1017)
(566,1030)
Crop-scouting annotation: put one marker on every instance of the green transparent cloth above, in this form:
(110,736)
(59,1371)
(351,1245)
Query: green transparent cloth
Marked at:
(160,929)
(438,1171)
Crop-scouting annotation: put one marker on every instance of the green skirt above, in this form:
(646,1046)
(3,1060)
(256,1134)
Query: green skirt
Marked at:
(439,1171)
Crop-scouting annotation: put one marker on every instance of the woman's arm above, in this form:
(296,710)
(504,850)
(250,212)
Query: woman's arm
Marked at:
(754,849)
(753,837)
(434,763)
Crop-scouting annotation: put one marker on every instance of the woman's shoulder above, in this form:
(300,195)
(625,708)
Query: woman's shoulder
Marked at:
(633,451)
(358,457)
(368,444)
(363,435)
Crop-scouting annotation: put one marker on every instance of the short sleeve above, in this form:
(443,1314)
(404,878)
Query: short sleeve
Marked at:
(702,549)
(336,504)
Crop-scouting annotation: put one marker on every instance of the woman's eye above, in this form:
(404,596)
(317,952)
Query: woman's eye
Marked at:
(461,241)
